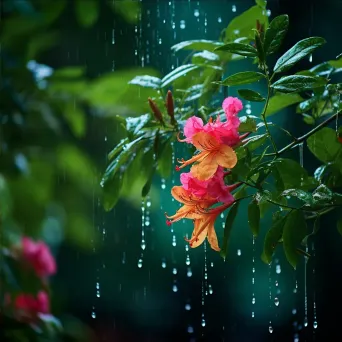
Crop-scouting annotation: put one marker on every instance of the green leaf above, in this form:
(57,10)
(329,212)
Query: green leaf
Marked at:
(295,230)
(252,144)
(243,77)
(146,189)
(247,124)
(339,226)
(254,217)
(300,50)
(165,161)
(87,12)
(68,72)
(146,81)
(177,73)
(281,101)
(250,95)
(259,46)
(261,3)
(324,145)
(228,228)
(127,9)
(307,104)
(322,195)
(298,83)
(5,198)
(300,194)
(75,117)
(273,236)
(242,25)
(117,149)
(111,191)
(275,33)
(205,57)
(238,49)
(197,45)
(308,119)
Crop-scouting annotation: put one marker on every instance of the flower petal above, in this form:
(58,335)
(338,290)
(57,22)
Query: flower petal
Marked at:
(206,168)
(205,142)
(226,157)
(212,238)
(199,234)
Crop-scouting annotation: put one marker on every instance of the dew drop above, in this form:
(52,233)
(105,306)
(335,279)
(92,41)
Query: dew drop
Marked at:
(210,290)
(253,300)
(163,264)
(159,41)
(276,301)
(189,273)
(252,314)
(268,13)
(143,245)
(294,311)
(305,322)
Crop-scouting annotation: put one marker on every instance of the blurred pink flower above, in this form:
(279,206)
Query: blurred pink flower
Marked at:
(38,255)
(192,126)
(231,106)
(27,307)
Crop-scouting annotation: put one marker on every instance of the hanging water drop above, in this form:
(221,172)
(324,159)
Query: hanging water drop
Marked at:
(203,322)
(182,24)
(174,288)
(163,264)
(93,314)
(238,252)
(159,41)
(140,263)
(253,300)
(294,311)
(187,261)
(276,301)
(143,245)
(174,270)
(315,324)
(210,290)
(196,13)
(234,8)
(189,273)
(268,13)
(98,294)
(305,322)
(252,314)
(270,328)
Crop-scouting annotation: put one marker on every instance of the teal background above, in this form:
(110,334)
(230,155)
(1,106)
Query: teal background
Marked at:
(139,303)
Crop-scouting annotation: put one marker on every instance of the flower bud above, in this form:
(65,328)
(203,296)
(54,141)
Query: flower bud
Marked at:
(156,111)
(170,107)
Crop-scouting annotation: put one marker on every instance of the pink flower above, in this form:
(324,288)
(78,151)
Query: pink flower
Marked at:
(27,307)
(214,187)
(192,126)
(38,255)
(231,106)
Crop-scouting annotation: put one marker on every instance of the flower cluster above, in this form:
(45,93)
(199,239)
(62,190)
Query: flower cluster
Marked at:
(34,257)
(204,187)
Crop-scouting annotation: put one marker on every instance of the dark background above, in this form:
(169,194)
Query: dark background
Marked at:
(139,304)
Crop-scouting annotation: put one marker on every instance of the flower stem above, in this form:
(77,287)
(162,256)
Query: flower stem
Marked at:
(306,136)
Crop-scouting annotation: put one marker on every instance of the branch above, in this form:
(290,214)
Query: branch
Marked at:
(307,135)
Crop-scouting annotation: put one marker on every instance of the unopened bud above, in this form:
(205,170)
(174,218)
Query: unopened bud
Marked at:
(156,111)
(170,107)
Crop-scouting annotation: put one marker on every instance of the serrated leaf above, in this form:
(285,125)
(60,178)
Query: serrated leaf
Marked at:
(298,83)
(324,145)
(295,230)
(273,236)
(300,50)
(247,124)
(243,77)
(146,81)
(275,33)
(238,49)
(228,228)
(87,12)
(197,45)
(254,217)
(250,95)
(177,73)
(281,101)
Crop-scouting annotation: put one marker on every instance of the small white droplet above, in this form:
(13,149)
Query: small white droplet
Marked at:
(278,269)
(315,324)
(174,271)
(305,322)
(252,314)
(93,314)
(233,8)
(219,20)
(164,264)
(203,322)
(143,244)
(239,252)
(196,13)
(268,13)
(190,329)
(270,329)
(253,300)
(276,301)
(294,311)
(182,24)
(140,263)
(187,307)
(174,288)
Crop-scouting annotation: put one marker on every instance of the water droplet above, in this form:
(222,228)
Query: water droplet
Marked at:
(182,24)
(159,41)
(310,58)
(148,203)
(253,300)
(276,301)
(233,8)
(296,338)
(105,138)
(268,13)
(98,294)
(239,252)
(196,13)
(187,261)
(211,290)
(219,20)
(278,269)
(190,329)
(174,271)
(187,307)
(189,273)
(252,314)
(315,324)
(294,311)
(270,329)
(97,286)
(163,264)
(305,322)
(143,244)
(140,263)
(248,111)
(276,283)
(212,264)
(93,314)
(203,322)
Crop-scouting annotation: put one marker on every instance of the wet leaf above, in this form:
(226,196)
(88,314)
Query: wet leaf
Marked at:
(295,230)
(300,194)
(250,95)
(300,50)
(238,49)
(165,161)
(146,81)
(111,191)
(252,144)
(117,149)
(273,236)
(197,45)
(243,77)
(247,124)
(281,101)
(298,83)
(254,217)
(87,12)
(181,71)
(275,33)
(324,145)
(228,228)
(205,57)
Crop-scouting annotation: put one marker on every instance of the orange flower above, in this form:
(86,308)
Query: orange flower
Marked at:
(191,205)
(205,228)
(212,155)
